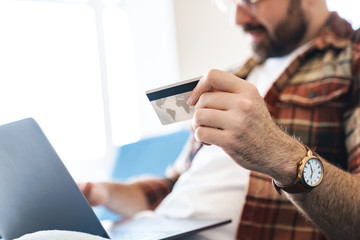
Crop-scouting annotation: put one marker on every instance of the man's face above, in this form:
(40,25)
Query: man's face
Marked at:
(274,35)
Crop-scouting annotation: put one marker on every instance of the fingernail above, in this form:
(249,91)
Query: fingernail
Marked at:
(190,100)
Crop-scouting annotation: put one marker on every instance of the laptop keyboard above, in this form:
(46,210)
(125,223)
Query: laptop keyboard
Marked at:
(138,235)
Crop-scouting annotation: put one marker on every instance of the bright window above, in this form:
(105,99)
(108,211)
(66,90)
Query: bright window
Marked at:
(348,9)
(55,68)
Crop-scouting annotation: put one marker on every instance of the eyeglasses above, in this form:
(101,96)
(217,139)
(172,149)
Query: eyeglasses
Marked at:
(226,5)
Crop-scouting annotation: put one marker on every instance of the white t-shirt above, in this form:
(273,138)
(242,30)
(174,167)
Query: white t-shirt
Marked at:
(214,187)
(264,75)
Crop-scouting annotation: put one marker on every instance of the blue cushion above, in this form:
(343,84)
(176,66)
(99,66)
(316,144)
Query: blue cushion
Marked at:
(150,155)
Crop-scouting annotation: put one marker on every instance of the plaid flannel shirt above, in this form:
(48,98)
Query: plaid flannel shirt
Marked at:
(316,99)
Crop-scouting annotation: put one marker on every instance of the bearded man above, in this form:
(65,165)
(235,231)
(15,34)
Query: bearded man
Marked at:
(289,117)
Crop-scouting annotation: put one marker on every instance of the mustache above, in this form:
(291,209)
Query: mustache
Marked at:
(248,27)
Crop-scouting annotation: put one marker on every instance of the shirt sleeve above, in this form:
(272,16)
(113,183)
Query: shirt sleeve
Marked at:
(156,189)
(352,121)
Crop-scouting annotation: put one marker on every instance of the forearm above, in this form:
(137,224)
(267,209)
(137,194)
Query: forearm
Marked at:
(124,199)
(143,194)
(334,206)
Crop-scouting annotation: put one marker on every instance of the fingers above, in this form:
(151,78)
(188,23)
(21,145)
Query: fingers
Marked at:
(85,188)
(209,118)
(214,126)
(93,193)
(215,100)
(81,186)
(220,110)
(209,136)
(215,80)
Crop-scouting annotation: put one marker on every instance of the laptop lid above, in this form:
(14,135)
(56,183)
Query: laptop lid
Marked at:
(37,192)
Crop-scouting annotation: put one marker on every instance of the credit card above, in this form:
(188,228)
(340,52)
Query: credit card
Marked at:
(170,102)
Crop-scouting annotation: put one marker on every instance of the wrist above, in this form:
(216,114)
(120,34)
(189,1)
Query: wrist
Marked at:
(287,170)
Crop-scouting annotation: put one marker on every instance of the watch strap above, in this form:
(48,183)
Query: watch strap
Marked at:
(297,187)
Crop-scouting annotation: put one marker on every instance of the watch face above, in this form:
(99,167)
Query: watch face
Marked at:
(312,173)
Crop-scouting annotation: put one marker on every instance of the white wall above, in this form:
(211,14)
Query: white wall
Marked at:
(152,24)
(206,38)
(348,9)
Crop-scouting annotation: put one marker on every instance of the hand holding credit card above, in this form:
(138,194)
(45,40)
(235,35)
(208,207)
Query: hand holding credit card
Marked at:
(170,102)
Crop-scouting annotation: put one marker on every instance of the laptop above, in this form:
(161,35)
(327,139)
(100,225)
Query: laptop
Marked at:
(38,193)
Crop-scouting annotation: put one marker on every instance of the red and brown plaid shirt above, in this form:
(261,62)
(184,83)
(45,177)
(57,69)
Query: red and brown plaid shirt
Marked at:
(317,99)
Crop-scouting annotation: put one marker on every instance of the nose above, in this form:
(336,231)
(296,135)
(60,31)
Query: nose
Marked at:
(242,16)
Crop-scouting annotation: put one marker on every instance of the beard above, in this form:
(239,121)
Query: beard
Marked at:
(287,35)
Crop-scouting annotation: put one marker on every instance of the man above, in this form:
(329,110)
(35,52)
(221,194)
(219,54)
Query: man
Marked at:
(305,67)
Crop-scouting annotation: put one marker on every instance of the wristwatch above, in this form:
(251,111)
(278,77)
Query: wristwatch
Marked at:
(310,175)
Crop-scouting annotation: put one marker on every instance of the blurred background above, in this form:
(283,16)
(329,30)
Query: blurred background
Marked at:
(81,67)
